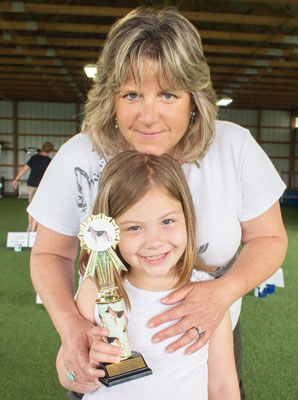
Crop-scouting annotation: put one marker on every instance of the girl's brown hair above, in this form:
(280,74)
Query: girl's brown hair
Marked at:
(173,43)
(126,179)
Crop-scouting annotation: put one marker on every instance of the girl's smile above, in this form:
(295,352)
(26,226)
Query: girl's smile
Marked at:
(156,259)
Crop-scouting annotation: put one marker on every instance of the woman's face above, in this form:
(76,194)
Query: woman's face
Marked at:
(152,121)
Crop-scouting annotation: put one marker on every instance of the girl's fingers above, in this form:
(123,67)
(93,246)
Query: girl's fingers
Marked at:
(103,352)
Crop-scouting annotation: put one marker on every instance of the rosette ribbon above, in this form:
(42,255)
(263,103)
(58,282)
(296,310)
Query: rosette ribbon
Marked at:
(99,235)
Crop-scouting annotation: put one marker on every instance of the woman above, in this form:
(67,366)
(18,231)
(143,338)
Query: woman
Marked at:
(37,165)
(153,93)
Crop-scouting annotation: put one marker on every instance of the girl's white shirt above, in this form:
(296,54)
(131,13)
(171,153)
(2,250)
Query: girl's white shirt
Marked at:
(175,375)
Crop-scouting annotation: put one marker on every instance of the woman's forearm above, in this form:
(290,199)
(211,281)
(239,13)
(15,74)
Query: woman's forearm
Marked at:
(264,248)
(258,259)
(52,274)
(53,279)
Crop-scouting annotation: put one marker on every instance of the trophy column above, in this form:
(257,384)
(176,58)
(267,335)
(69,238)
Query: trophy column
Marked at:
(110,308)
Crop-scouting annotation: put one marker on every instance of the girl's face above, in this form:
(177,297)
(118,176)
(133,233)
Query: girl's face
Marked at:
(153,238)
(152,121)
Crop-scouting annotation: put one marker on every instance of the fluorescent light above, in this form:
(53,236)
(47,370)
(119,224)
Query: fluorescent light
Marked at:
(224,101)
(90,70)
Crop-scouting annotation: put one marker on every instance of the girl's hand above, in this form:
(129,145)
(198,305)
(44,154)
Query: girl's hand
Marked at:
(102,352)
(203,307)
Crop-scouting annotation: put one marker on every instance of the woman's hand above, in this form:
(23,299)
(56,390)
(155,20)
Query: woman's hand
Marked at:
(203,307)
(82,352)
(76,343)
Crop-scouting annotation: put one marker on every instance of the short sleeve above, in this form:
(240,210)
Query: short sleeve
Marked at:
(261,184)
(29,162)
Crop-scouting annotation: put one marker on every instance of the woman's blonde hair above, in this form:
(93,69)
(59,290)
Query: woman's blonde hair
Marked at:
(174,44)
(126,179)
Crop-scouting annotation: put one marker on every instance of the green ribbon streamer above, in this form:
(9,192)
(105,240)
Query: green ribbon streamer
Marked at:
(101,264)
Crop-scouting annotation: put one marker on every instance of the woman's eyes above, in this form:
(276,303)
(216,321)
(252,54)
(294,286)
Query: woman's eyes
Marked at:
(169,96)
(131,96)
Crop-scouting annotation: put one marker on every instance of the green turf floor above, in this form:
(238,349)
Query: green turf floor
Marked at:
(29,342)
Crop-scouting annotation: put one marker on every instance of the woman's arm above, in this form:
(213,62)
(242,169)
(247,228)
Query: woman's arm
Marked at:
(52,273)
(264,247)
(222,376)
(21,173)
(99,351)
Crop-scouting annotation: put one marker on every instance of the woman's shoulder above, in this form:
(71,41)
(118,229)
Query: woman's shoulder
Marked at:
(78,141)
(226,129)
(79,150)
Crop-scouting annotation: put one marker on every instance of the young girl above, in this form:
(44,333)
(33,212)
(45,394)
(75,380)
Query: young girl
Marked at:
(150,201)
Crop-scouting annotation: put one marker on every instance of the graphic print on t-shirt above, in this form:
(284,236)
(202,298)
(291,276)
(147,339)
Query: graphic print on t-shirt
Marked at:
(84,184)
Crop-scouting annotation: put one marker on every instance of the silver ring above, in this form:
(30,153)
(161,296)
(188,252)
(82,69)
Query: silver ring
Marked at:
(72,376)
(199,331)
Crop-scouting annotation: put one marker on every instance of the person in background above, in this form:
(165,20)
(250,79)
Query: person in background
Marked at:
(153,93)
(37,165)
(158,248)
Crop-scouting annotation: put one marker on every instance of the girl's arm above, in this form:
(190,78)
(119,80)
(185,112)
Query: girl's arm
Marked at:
(222,376)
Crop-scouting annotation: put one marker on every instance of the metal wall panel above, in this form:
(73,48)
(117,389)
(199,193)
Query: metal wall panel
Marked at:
(6,126)
(277,135)
(6,109)
(276,118)
(31,109)
(47,127)
(276,150)
(241,117)
(47,124)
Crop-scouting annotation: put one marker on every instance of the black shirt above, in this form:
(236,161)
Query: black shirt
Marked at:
(38,165)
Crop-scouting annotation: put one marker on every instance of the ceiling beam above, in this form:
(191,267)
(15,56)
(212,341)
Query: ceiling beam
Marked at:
(251,62)
(40,40)
(195,16)
(281,2)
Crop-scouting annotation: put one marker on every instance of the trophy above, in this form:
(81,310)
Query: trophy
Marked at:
(99,235)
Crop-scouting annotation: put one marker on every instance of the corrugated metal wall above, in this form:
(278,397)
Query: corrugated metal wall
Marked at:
(33,124)
(6,136)
(272,129)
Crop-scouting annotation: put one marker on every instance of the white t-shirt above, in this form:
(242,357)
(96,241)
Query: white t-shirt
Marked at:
(175,375)
(236,182)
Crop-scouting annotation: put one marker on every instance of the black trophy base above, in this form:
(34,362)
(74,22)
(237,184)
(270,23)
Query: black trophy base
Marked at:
(133,367)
